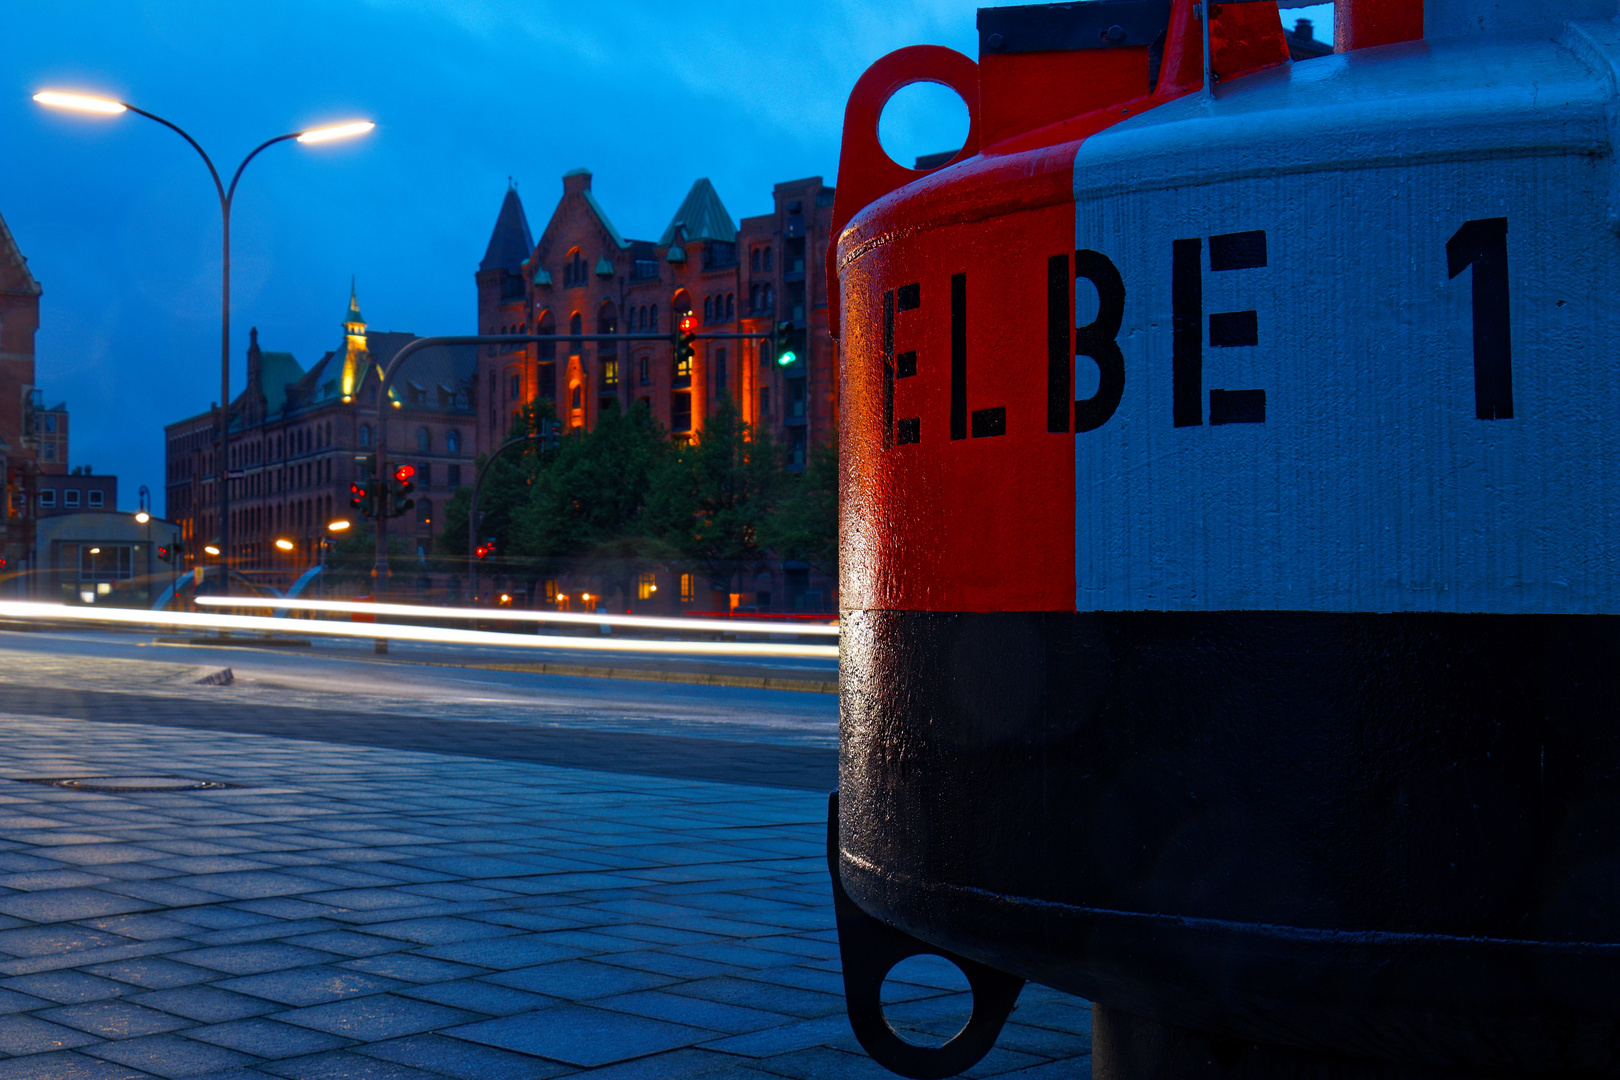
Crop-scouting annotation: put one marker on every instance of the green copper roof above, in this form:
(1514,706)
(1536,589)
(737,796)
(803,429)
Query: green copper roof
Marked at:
(542,277)
(676,253)
(603,267)
(703,216)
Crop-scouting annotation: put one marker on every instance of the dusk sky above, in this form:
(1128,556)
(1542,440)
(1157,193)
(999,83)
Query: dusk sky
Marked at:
(120,223)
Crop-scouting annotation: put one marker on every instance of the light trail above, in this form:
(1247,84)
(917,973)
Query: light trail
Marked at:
(189,620)
(424,611)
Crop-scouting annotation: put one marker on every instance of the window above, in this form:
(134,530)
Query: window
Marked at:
(680,412)
(642,373)
(652,320)
(47,498)
(574,269)
(95,499)
(424,440)
(365,435)
(720,369)
(50,451)
(424,474)
(610,373)
(574,327)
(708,309)
(643,318)
(753,297)
(455,477)
(753,261)
(683,372)
(731,307)
(514,385)
(646,585)
(50,423)
(70,497)
(769,296)
(105,562)
(577,400)
(768,266)
(548,349)
(452,442)
(548,381)
(688,589)
(765,401)
(424,514)
(607,322)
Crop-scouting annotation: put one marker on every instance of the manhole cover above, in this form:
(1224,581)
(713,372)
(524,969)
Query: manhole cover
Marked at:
(115,784)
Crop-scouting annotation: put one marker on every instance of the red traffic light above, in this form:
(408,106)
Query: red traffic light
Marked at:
(404,473)
(688,324)
(482,551)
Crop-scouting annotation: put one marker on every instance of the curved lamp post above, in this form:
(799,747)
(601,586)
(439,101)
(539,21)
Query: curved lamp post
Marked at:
(109,107)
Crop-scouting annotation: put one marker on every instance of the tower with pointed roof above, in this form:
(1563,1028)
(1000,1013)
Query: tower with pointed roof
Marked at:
(19,320)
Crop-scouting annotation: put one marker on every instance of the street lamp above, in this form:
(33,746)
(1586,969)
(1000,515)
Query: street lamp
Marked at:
(109,107)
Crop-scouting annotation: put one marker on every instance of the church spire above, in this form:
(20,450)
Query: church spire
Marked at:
(353,321)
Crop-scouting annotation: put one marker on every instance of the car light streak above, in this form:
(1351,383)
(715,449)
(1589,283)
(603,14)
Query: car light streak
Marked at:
(17,609)
(423,611)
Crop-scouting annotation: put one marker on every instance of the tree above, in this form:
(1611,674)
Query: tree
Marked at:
(804,523)
(710,497)
(505,487)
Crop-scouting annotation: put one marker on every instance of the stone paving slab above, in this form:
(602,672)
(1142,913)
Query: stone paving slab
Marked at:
(354,911)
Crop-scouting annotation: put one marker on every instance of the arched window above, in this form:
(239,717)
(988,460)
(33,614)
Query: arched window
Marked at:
(680,304)
(720,370)
(424,440)
(753,261)
(546,325)
(731,307)
(643,318)
(753,297)
(452,441)
(365,434)
(770,297)
(575,325)
(652,320)
(768,258)
(708,309)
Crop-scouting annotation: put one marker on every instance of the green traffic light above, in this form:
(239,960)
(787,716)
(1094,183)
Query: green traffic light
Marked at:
(786,357)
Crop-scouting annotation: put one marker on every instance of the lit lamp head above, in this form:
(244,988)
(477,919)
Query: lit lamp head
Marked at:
(338,526)
(336,131)
(142,516)
(284,544)
(80,102)
(211,549)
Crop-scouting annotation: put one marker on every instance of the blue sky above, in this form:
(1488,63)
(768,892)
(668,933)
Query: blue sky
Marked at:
(121,226)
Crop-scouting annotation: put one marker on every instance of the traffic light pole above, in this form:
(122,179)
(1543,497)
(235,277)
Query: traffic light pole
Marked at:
(472,504)
(379,569)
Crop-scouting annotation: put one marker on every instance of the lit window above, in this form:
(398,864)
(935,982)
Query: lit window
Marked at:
(646,586)
(688,590)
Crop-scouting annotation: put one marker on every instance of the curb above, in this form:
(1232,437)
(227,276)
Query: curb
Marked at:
(752,682)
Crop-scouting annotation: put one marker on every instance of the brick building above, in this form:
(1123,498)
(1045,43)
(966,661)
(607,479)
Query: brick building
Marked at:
(582,276)
(19,320)
(295,437)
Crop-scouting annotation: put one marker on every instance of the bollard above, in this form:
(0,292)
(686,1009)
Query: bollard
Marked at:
(1229,564)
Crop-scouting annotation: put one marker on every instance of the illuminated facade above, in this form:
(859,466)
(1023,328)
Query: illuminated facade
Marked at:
(295,437)
(19,319)
(582,276)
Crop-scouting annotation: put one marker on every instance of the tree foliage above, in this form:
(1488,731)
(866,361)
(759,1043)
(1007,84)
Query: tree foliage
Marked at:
(804,523)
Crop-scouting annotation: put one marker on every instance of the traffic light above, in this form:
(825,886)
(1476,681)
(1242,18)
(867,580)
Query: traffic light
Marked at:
(401,489)
(363,498)
(486,550)
(782,343)
(685,336)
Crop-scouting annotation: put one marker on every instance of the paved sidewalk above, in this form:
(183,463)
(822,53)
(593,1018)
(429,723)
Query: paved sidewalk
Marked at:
(364,912)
